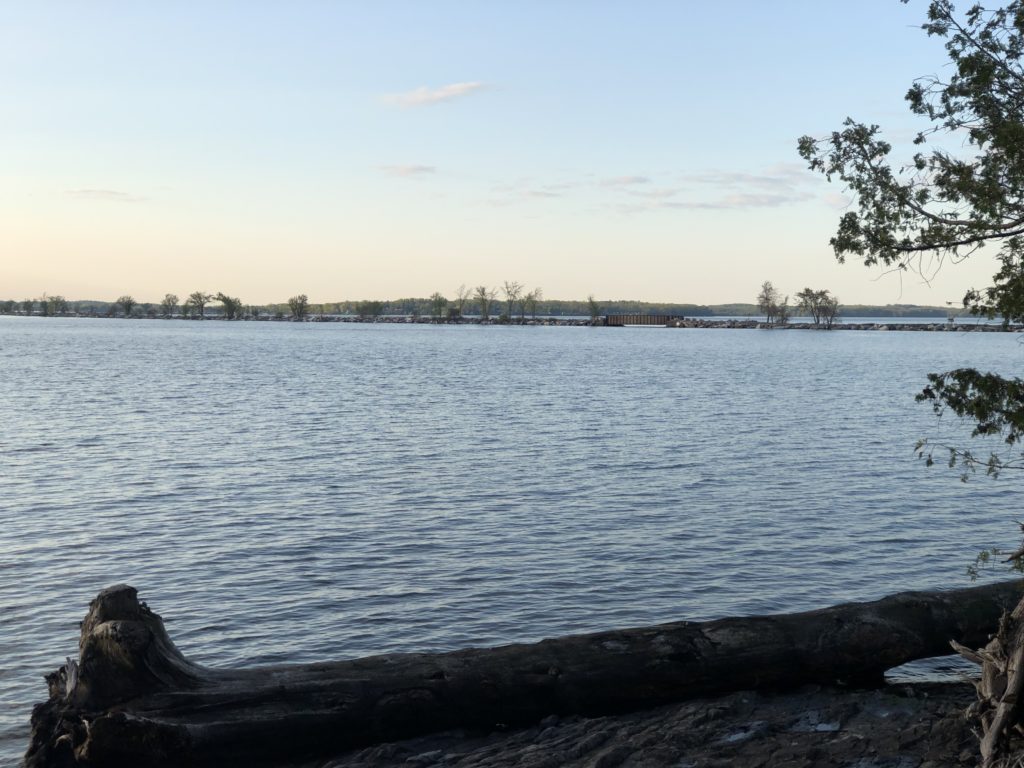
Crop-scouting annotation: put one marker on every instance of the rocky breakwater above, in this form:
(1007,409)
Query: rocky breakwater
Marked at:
(705,322)
(410,320)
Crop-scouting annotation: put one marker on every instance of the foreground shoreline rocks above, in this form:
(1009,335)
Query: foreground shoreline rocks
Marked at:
(919,725)
(132,699)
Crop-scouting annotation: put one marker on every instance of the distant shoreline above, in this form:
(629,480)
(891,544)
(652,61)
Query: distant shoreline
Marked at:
(438,306)
(875,324)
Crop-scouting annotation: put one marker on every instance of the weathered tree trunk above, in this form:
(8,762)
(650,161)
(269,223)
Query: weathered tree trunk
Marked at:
(133,700)
(998,709)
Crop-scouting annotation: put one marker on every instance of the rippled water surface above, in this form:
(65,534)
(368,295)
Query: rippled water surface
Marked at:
(297,492)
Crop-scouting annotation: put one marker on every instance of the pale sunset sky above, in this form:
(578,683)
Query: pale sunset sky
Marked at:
(349,150)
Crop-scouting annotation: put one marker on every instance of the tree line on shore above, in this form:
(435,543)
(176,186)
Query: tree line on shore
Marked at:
(481,303)
(509,303)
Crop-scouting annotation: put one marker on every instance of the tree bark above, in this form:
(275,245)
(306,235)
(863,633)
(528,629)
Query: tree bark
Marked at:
(133,700)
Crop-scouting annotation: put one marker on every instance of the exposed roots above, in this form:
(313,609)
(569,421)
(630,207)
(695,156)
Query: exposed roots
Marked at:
(997,713)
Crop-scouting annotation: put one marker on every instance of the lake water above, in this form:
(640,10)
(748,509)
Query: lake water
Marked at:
(302,492)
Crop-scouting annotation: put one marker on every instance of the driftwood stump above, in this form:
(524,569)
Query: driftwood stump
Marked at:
(998,711)
(133,700)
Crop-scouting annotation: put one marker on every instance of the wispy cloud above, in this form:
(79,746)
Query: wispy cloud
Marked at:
(423,95)
(527,188)
(837,200)
(409,171)
(658,193)
(723,190)
(736,201)
(782,175)
(707,190)
(624,181)
(108,195)
(742,200)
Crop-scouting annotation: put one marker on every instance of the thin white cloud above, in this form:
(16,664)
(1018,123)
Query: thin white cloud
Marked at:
(784,175)
(423,95)
(736,201)
(526,189)
(409,171)
(624,181)
(740,200)
(660,193)
(725,190)
(709,190)
(837,200)
(733,202)
(108,195)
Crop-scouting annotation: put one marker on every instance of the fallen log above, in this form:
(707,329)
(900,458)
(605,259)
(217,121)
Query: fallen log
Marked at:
(132,699)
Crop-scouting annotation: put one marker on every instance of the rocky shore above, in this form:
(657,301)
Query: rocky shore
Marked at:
(969,326)
(709,322)
(918,725)
(887,325)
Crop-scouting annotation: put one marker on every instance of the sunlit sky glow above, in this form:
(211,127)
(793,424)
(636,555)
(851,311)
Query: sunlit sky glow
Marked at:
(354,150)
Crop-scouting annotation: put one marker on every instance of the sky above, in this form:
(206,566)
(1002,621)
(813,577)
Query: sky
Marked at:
(350,150)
